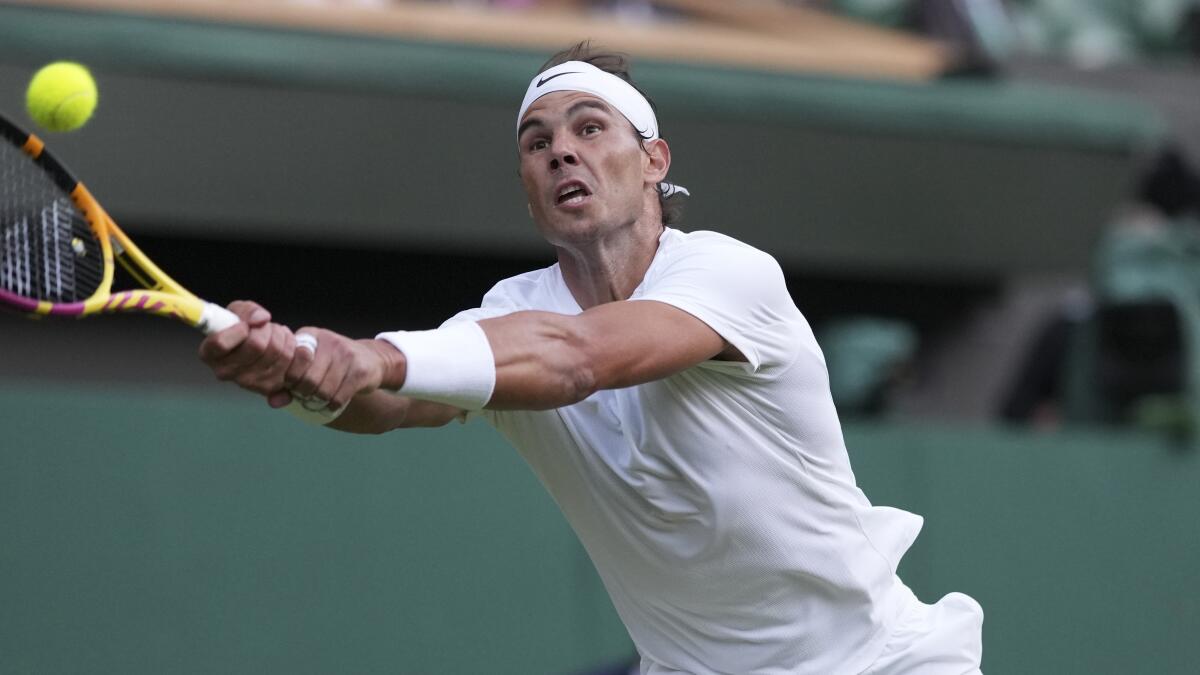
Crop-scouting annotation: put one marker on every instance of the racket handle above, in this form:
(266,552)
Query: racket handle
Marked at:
(216,318)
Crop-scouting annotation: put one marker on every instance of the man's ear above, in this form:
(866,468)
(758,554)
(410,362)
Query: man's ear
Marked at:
(658,154)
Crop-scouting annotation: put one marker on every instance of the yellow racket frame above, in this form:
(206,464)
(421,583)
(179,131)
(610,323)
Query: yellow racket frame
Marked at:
(160,294)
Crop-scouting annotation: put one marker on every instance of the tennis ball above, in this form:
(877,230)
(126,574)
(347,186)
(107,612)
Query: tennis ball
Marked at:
(61,96)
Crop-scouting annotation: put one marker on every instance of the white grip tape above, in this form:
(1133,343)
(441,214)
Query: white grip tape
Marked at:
(452,365)
(215,318)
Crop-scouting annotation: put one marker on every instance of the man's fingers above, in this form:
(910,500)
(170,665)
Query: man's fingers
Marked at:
(302,360)
(307,341)
(331,389)
(307,381)
(279,399)
(308,367)
(251,312)
(250,351)
(265,375)
(324,369)
(219,345)
(261,356)
(258,362)
(364,373)
(332,358)
(345,391)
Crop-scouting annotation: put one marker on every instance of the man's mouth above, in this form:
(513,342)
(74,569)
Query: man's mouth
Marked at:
(571,193)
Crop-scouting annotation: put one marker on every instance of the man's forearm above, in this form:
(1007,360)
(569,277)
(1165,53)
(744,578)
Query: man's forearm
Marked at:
(541,361)
(374,413)
(382,411)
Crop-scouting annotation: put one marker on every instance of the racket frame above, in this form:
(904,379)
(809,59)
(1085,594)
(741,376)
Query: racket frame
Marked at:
(161,295)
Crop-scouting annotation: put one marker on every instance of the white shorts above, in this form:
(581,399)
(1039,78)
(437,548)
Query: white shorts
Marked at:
(945,638)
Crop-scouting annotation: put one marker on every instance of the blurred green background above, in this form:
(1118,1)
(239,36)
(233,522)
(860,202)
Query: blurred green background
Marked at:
(162,531)
(961,243)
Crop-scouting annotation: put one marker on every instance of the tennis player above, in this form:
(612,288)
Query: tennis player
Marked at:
(669,395)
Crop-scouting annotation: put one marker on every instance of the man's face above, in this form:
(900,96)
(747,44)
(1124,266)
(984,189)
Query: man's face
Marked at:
(584,171)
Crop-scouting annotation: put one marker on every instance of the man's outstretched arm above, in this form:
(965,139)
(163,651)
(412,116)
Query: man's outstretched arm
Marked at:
(542,360)
(262,357)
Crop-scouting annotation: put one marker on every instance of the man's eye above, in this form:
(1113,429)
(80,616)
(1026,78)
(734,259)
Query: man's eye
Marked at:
(538,144)
(590,129)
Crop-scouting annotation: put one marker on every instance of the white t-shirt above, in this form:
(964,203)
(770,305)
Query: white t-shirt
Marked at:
(718,504)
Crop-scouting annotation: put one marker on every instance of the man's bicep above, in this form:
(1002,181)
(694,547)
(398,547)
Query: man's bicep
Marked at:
(639,341)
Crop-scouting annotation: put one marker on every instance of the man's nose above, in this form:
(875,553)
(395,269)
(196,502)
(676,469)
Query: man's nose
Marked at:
(562,153)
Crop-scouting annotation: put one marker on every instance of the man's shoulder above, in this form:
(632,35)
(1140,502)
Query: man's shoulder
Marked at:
(712,243)
(530,278)
(523,290)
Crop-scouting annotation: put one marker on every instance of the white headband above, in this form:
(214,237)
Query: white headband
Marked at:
(580,76)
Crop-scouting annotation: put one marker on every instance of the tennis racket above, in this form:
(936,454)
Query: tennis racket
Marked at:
(59,248)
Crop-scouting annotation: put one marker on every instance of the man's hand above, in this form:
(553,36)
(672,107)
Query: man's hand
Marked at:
(341,368)
(255,354)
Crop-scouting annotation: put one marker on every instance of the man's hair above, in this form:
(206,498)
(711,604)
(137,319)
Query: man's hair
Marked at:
(618,64)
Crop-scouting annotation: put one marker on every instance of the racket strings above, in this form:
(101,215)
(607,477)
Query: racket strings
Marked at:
(48,250)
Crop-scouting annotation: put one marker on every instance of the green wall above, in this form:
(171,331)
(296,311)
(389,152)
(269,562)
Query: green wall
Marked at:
(167,531)
(164,533)
(1083,547)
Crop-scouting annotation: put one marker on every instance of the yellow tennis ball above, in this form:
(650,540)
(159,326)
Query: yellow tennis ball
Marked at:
(61,96)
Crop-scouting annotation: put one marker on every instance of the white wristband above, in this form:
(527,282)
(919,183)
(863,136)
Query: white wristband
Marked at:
(452,365)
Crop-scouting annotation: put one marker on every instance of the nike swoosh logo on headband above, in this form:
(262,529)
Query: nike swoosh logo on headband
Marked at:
(544,80)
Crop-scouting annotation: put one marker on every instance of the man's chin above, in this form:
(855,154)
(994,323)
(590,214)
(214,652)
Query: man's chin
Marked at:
(572,230)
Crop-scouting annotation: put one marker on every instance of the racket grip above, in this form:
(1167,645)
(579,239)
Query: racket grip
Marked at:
(216,318)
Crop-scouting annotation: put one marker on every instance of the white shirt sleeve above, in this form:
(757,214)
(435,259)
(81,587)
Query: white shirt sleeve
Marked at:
(738,290)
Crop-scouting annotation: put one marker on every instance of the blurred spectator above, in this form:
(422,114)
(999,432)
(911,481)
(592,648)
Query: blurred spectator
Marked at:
(1171,185)
(1137,348)
(1190,29)
(1095,34)
(1088,33)
(979,29)
(1035,396)
(1126,351)
(1107,352)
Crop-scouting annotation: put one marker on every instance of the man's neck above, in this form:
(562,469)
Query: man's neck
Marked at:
(610,269)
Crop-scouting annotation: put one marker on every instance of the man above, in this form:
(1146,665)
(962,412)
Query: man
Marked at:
(669,395)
